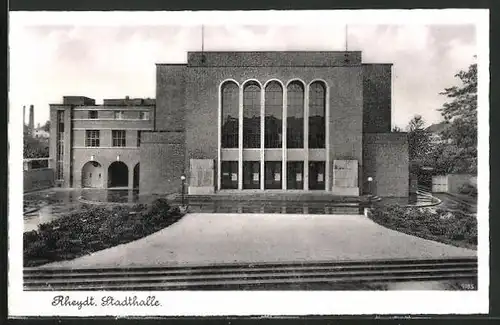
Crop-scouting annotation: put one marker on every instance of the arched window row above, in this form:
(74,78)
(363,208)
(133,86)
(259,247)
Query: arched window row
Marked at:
(273,94)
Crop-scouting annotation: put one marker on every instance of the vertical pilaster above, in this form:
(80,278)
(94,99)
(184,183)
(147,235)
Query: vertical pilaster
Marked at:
(219,140)
(262,136)
(67,155)
(105,169)
(328,168)
(306,138)
(240,140)
(131,177)
(284,176)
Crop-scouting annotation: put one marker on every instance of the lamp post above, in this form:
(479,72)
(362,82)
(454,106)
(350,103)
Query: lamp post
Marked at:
(183,179)
(370,180)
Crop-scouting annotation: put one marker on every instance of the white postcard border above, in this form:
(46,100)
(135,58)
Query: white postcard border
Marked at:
(189,303)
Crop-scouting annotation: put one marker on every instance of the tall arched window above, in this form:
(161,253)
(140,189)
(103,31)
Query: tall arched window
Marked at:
(295,115)
(317,126)
(251,115)
(273,135)
(230,110)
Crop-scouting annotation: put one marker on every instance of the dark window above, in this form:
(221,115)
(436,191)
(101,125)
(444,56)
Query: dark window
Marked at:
(272,174)
(251,174)
(317,124)
(138,138)
(230,113)
(295,175)
(295,115)
(92,138)
(93,115)
(144,115)
(229,177)
(317,175)
(118,137)
(251,116)
(60,145)
(274,115)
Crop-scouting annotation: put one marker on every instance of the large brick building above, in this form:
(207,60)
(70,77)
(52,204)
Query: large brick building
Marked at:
(241,121)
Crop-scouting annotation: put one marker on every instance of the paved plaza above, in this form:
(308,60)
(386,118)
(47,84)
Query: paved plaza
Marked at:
(205,238)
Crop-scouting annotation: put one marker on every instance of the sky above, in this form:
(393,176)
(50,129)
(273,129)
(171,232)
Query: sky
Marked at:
(49,61)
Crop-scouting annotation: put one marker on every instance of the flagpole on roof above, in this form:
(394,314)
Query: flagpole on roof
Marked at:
(346,39)
(202,38)
(202,43)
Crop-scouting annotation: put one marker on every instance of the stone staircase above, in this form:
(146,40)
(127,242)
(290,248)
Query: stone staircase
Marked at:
(275,196)
(327,275)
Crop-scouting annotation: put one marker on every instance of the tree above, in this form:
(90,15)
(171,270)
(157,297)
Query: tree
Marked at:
(34,148)
(46,126)
(418,139)
(460,112)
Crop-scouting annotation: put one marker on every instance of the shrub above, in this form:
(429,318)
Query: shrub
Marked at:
(456,228)
(92,228)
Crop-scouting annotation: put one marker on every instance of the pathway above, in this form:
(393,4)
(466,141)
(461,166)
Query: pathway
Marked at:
(203,238)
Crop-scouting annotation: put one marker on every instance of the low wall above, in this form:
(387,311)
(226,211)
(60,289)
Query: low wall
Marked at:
(37,179)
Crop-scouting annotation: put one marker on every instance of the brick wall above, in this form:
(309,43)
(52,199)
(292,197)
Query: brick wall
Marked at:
(272,58)
(386,160)
(377,86)
(202,100)
(162,162)
(170,97)
(105,157)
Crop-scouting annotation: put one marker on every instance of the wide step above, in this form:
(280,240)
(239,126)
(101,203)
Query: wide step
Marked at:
(241,276)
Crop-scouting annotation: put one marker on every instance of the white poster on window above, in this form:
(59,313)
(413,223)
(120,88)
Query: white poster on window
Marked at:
(320,177)
(234,177)
(298,177)
(225,174)
(255,177)
(277,177)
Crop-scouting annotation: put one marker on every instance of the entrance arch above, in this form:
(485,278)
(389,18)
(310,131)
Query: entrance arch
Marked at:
(92,175)
(118,174)
(136,175)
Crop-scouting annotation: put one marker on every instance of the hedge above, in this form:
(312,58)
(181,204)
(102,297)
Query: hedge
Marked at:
(94,228)
(454,228)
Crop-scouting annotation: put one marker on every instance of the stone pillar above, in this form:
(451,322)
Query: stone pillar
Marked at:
(306,138)
(328,165)
(130,177)
(284,176)
(262,137)
(240,140)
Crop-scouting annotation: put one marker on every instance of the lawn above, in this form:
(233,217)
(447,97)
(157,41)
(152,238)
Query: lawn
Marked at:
(453,228)
(93,228)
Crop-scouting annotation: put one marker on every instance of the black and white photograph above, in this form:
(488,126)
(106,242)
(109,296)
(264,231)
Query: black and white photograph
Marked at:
(248,163)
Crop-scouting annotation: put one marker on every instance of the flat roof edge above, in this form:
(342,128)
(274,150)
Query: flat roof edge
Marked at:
(377,63)
(171,64)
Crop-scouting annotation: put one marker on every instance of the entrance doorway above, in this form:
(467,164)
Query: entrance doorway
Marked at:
(317,175)
(92,175)
(272,175)
(118,174)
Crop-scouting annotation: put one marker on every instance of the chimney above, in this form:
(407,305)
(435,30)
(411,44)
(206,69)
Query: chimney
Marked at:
(32,118)
(24,116)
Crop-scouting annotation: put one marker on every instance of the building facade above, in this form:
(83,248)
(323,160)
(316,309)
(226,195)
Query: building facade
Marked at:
(247,122)
(97,146)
